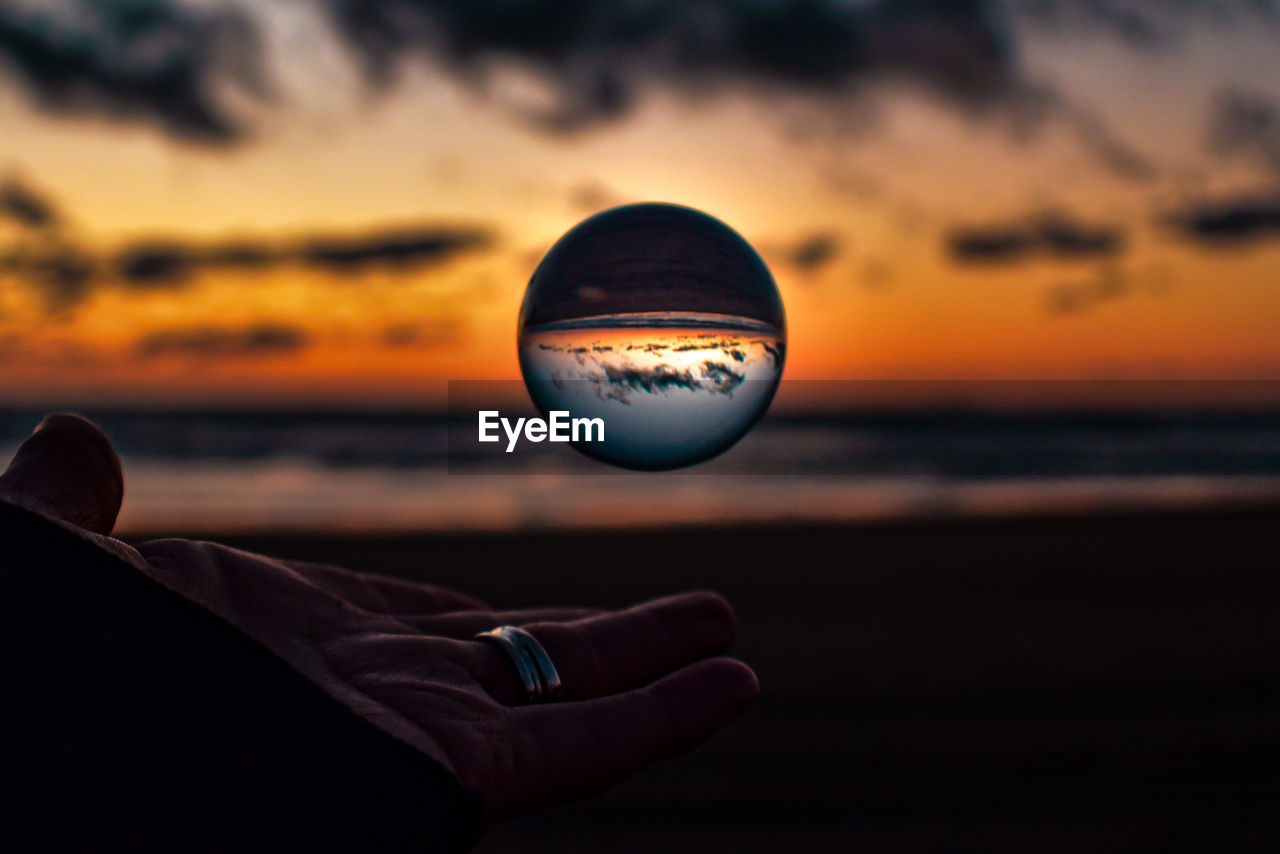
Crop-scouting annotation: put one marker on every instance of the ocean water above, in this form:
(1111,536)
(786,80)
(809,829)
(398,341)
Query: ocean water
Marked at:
(205,472)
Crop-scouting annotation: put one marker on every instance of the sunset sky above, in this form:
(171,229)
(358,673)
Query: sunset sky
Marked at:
(228,200)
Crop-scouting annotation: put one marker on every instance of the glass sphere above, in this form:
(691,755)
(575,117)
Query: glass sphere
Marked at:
(662,322)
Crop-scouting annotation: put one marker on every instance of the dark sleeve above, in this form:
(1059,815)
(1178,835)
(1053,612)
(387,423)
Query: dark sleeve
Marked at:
(133,719)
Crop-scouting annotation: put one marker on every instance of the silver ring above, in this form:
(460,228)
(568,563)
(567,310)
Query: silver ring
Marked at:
(541,680)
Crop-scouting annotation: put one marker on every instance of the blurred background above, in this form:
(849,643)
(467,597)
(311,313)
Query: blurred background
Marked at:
(215,209)
(1030,256)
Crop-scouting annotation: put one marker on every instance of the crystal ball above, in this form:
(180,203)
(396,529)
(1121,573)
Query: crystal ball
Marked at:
(663,323)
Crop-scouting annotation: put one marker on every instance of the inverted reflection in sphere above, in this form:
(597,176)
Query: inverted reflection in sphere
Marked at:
(663,322)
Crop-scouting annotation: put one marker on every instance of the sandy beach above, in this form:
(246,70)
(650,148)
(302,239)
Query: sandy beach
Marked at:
(1051,683)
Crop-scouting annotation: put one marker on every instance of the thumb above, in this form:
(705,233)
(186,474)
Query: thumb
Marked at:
(67,469)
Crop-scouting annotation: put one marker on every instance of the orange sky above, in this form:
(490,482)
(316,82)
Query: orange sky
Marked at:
(887,299)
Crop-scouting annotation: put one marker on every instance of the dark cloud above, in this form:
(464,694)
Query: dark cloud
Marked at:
(167,263)
(62,275)
(1054,235)
(1246,123)
(408,248)
(600,55)
(162,263)
(156,264)
(26,206)
(989,243)
(1229,221)
(239,255)
(65,274)
(163,62)
(170,263)
(263,339)
(814,252)
(166,61)
(169,62)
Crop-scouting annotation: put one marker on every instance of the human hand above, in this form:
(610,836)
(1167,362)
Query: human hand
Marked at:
(640,683)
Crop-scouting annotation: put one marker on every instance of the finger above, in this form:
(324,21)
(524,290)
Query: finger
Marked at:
(466,624)
(67,469)
(619,651)
(383,594)
(577,750)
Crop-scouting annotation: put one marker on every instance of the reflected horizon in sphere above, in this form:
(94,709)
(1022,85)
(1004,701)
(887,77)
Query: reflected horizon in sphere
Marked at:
(663,322)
